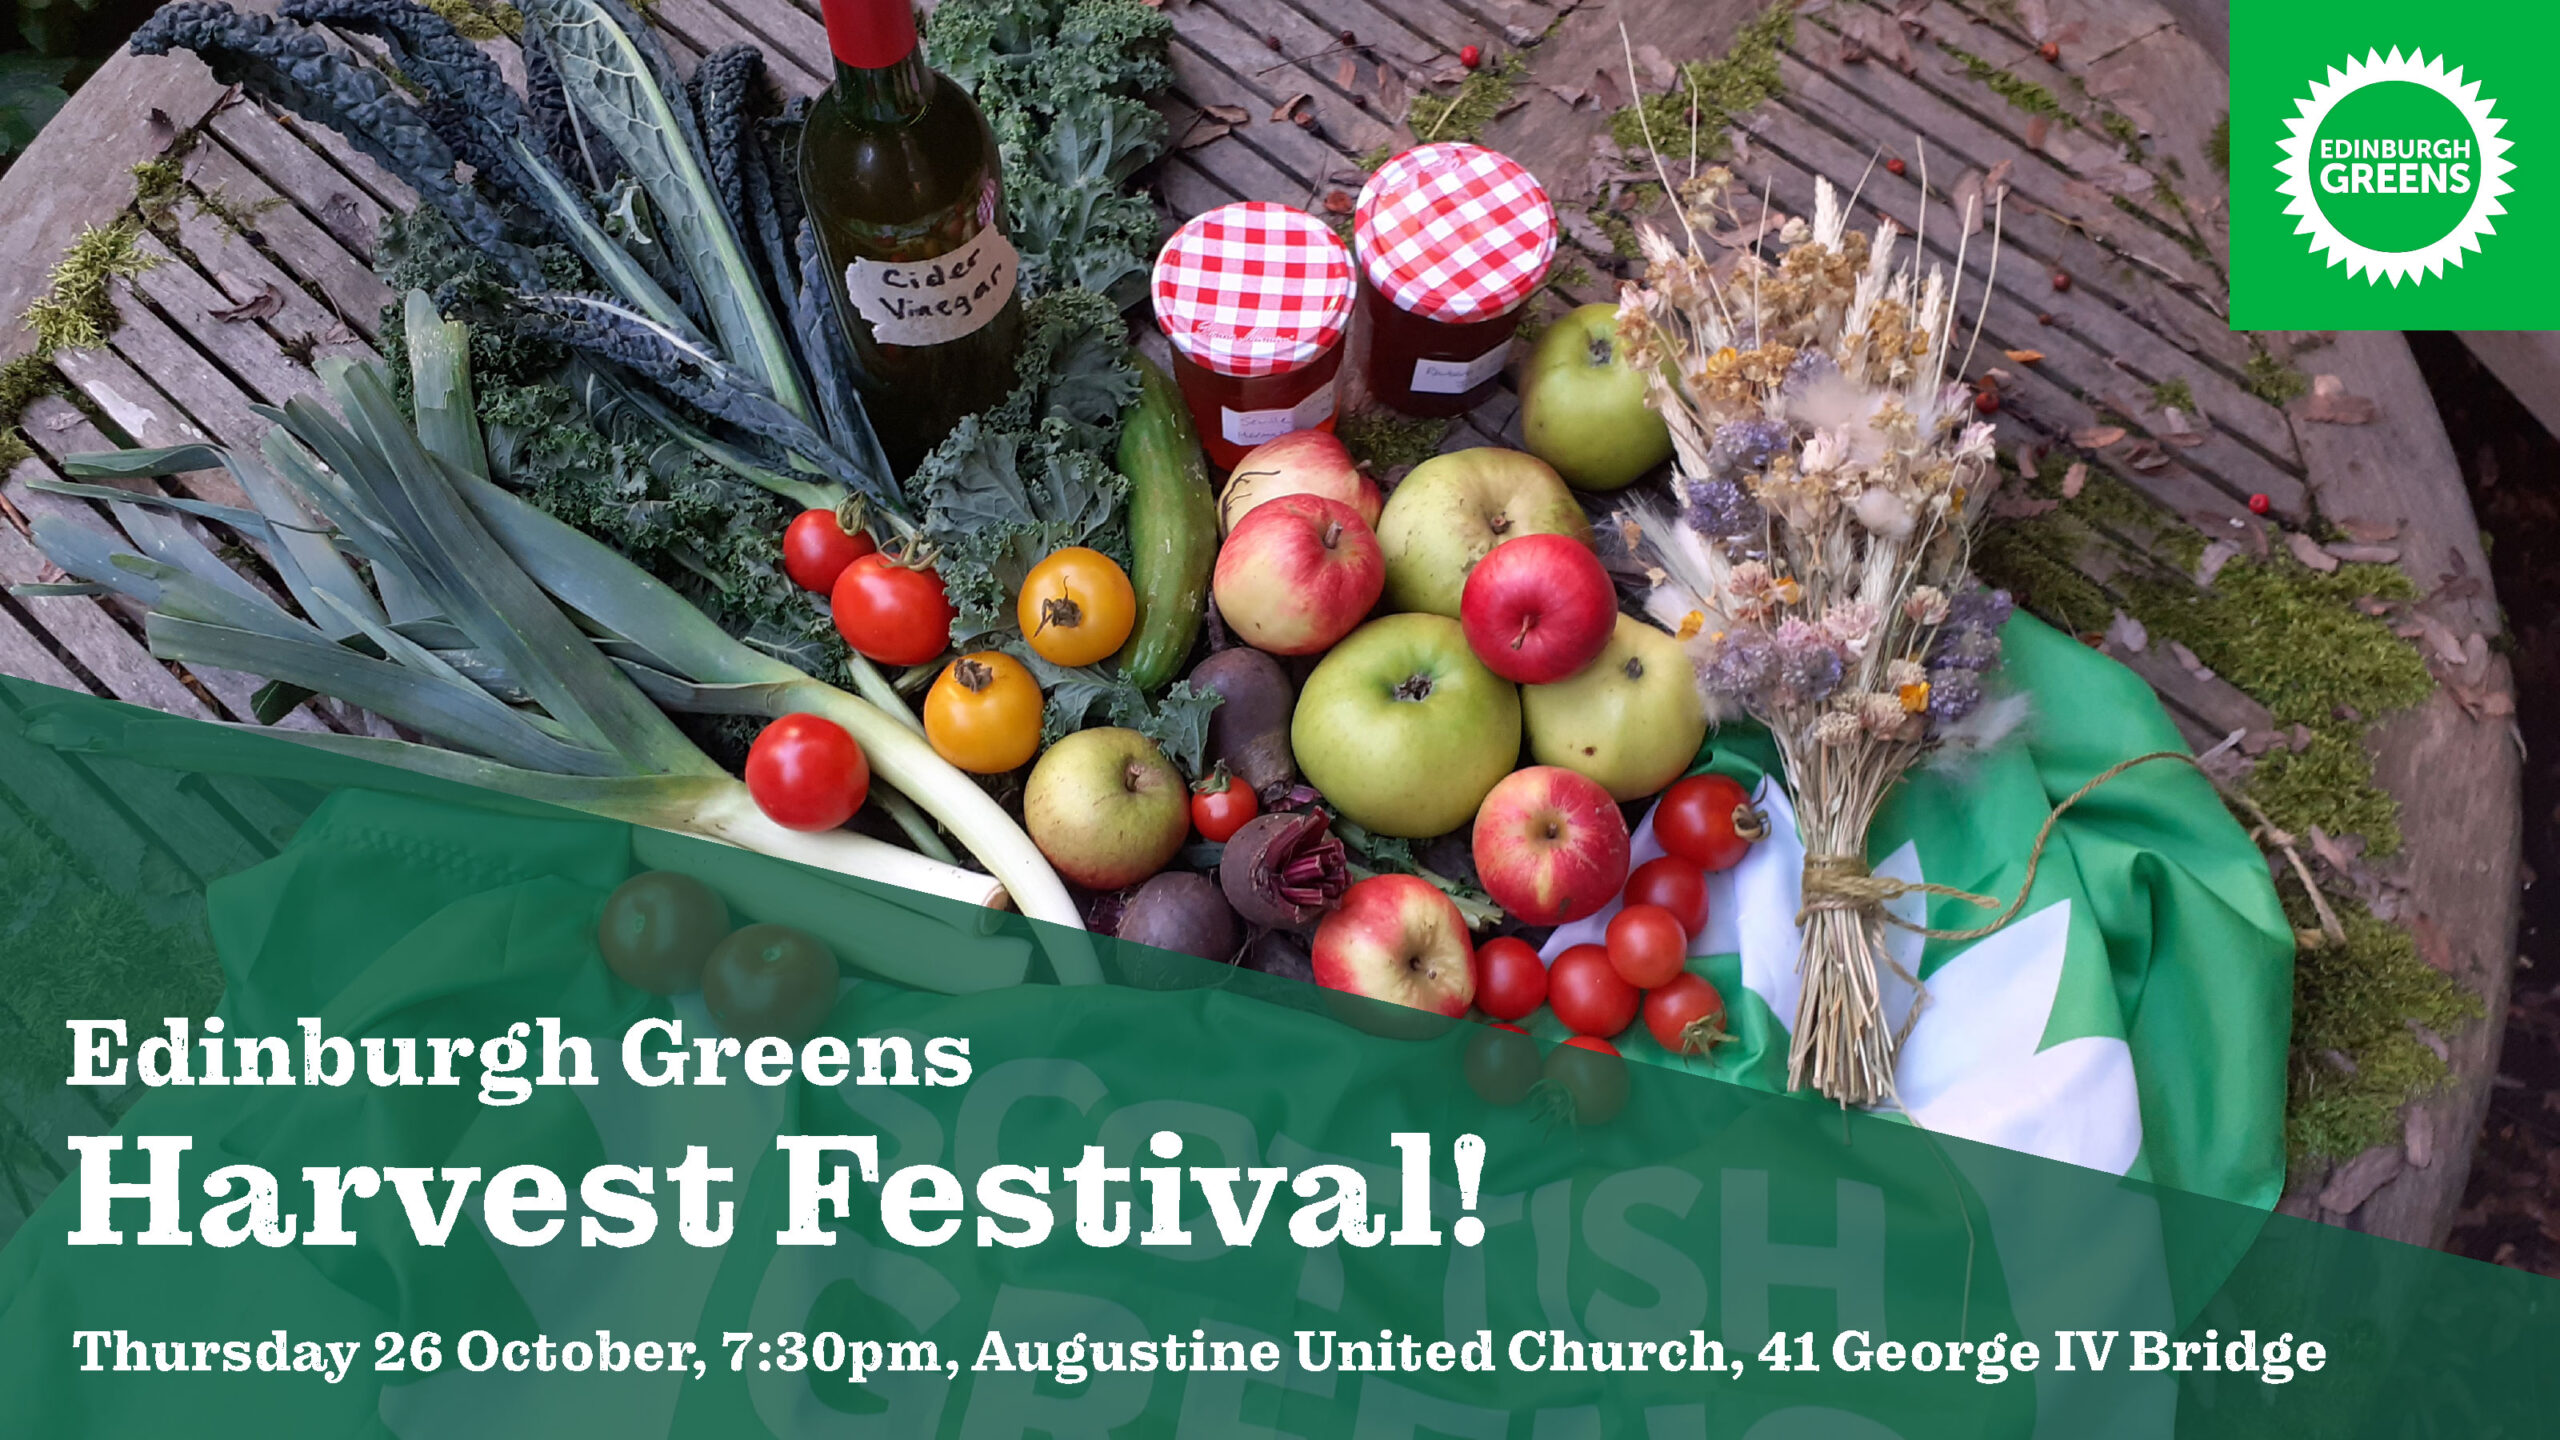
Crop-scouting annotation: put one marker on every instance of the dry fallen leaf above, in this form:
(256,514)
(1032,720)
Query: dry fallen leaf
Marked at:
(2432,946)
(1573,99)
(2216,554)
(2128,634)
(266,302)
(2018,505)
(2024,357)
(2366,554)
(2330,404)
(1346,76)
(2097,437)
(2308,551)
(1297,109)
(1521,36)
(1656,68)
(2075,479)
(1228,114)
(2146,457)
(2188,662)
(1966,201)
(2038,126)
(1200,135)
(1395,92)
(162,130)
(2370,532)
(1338,202)
(1605,89)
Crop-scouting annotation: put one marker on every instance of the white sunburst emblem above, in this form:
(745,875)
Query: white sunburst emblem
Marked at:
(2297,168)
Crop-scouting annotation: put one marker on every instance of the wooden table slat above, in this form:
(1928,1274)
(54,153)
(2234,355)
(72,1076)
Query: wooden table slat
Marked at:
(305,249)
(324,193)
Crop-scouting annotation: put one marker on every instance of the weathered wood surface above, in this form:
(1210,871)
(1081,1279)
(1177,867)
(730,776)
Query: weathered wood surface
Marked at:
(272,204)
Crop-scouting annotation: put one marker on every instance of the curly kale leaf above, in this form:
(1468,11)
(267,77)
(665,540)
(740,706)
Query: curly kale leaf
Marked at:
(1179,721)
(295,67)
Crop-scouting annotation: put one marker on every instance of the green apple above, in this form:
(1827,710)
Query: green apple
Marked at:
(1631,719)
(1456,507)
(1582,405)
(1404,729)
(1106,807)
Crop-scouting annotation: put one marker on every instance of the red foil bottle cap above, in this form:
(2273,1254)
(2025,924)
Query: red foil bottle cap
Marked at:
(870,34)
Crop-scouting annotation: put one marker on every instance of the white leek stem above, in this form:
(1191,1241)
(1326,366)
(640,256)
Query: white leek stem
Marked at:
(733,819)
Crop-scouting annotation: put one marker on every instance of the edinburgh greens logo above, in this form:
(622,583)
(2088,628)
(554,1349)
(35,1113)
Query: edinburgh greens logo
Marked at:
(2394,167)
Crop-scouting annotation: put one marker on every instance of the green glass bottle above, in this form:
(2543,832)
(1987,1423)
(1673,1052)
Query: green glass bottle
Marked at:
(900,175)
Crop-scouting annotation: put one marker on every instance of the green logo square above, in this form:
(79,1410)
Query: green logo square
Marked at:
(2391,165)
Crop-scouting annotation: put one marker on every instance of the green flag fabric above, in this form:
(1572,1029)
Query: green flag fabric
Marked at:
(2133,1018)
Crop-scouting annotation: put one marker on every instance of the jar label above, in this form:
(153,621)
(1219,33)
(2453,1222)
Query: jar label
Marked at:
(1252,427)
(1457,377)
(933,302)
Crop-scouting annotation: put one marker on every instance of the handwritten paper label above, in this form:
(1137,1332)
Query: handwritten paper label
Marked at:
(1457,377)
(1252,427)
(933,302)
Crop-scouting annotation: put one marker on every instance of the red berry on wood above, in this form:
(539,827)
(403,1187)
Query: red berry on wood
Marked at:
(2044,318)
(1895,166)
(1987,402)
(2061,280)
(1471,56)
(2260,505)
(2051,52)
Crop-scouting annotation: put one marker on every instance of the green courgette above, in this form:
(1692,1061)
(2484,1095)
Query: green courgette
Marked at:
(1173,529)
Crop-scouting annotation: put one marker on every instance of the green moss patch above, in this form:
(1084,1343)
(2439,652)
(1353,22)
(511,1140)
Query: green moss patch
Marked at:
(1385,441)
(2020,92)
(75,312)
(1464,115)
(2272,380)
(2217,144)
(474,20)
(1720,90)
(2356,1060)
(2174,394)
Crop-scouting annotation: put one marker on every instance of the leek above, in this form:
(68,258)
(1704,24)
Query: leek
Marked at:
(545,658)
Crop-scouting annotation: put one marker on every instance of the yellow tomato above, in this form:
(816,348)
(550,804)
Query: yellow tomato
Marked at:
(1077,607)
(983,714)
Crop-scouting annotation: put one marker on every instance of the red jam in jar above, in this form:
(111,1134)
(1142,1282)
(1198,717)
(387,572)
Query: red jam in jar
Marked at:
(1453,239)
(1255,298)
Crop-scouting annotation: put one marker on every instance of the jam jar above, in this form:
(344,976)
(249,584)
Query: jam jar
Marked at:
(1454,240)
(1255,298)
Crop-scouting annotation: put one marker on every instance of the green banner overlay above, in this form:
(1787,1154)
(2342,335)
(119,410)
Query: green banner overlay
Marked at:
(1192,1201)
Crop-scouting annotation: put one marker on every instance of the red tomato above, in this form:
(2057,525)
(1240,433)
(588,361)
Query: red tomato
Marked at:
(806,773)
(1676,886)
(1587,993)
(895,614)
(1708,821)
(1502,1064)
(1219,814)
(1685,1016)
(1591,1077)
(1511,981)
(815,550)
(1647,946)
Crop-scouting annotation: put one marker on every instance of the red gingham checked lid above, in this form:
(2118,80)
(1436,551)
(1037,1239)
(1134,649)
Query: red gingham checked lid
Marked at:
(1455,233)
(1253,289)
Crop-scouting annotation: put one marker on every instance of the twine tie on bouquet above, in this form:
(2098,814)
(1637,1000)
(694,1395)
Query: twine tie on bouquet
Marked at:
(1843,882)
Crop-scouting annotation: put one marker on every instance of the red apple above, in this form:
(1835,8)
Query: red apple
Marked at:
(1297,574)
(1302,462)
(1550,845)
(1538,608)
(1396,937)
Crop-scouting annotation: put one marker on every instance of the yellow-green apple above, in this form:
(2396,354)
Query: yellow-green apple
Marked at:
(1582,405)
(1302,462)
(1297,574)
(1454,508)
(1106,807)
(1403,729)
(1397,938)
(1632,719)
(1550,845)
(1537,608)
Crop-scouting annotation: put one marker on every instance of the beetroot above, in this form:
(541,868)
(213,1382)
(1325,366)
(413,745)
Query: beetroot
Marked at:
(1249,730)
(1284,870)
(1179,910)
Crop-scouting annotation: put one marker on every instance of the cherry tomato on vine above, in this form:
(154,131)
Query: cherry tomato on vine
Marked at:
(806,773)
(1685,1016)
(1709,821)
(658,927)
(816,548)
(1676,886)
(1646,945)
(895,614)
(1076,607)
(1221,804)
(1591,1077)
(1502,1064)
(983,713)
(1511,981)
(1588,994)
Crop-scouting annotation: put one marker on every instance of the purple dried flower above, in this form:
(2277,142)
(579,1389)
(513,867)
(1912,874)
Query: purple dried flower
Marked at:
(1720,509)
(1744,668)
(1953,694)
(1966,647)
(1746,445)
(1808,676)
(1809,367)
(1979,607)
